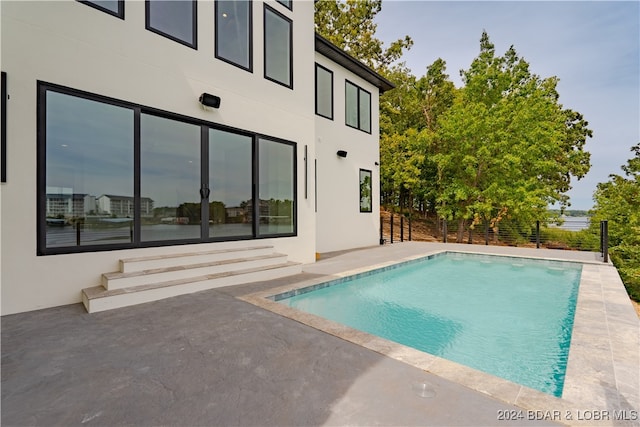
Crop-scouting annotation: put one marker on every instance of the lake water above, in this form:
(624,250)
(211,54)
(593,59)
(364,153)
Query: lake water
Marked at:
(575,223)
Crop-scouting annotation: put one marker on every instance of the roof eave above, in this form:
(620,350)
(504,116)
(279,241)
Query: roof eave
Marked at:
(337,55)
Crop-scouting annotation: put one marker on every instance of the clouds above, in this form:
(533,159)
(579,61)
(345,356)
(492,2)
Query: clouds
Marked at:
(593,47)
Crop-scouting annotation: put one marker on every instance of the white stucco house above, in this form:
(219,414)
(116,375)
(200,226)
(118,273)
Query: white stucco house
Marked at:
(156,148)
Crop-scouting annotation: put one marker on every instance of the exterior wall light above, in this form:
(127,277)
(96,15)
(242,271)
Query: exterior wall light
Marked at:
(342,153)
(209,100)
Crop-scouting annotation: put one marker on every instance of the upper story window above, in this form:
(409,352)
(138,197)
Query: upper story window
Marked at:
(112,7)
(324,92)
(287,3)
(233,33)
(278,47)
(175,20)
(357,107)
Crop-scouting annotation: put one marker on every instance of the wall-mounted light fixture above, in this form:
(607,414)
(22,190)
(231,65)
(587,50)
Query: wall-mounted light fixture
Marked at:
(209,100)
(377,164)
(342,153)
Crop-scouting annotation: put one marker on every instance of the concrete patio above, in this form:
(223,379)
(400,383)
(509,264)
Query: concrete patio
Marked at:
(211,358)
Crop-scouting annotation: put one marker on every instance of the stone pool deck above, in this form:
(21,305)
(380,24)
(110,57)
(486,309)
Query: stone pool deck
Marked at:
(211,358)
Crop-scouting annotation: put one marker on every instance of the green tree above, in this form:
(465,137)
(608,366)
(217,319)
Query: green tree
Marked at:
(618,201)
(350,26)
(506,147)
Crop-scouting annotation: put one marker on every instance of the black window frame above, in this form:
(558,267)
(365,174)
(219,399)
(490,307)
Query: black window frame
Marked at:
(359,91)
(370,210)
(318,66)
(286,3)
(216,38)
(194,23)
(138,110)
(3,127)
(256,174)
(118,14)
(264,42)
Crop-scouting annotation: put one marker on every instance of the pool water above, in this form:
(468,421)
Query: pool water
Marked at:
(510,317)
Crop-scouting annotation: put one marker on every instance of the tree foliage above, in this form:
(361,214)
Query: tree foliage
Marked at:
(506,147)
(499,148)
(350,26)
(618,201)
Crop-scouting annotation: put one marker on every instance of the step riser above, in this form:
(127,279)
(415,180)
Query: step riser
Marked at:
(124,300)
(127,282)
(174,261)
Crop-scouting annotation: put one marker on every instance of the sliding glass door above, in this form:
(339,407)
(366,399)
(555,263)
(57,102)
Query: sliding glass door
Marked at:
(116,175)
(230,185)
(170,177)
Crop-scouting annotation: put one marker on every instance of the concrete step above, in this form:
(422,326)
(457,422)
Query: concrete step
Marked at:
(98,298)
(129,265)
(119,280)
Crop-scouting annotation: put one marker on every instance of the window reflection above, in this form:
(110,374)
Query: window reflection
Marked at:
(357,107)
(113,7)
(170,176)
(174,19)
(324,92)
(365,111)
(277,47)
(233,32)
(89,172)
(286,3)
(276,187)
(351,104)
(365,190)
(230,178)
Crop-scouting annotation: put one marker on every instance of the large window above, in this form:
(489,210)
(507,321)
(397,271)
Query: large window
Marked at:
(365,191)
(112,7)
(87,196)
(230,184)
(277,187)
(174,19)
(278,47)
(233,32)
(114,175)
(169,179)
(324,92)
(357,107)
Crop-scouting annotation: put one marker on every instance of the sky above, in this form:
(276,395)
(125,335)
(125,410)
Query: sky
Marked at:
(593,47)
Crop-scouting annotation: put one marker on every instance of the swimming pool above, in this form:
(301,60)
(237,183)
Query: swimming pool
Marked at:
(507,316)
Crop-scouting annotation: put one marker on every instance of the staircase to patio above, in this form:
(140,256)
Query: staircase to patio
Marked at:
(145,279)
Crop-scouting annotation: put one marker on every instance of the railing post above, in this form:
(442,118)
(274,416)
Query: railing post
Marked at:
(401,228)
(538,234)
(391,237)
(605,241)
(78,231)
(444,230)
(486,233)
(409,227)
(381,233)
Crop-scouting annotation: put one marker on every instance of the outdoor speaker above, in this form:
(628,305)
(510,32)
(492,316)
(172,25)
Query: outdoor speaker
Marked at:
(209,100)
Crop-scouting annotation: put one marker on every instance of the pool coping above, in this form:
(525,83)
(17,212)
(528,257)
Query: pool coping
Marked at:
(602,375)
